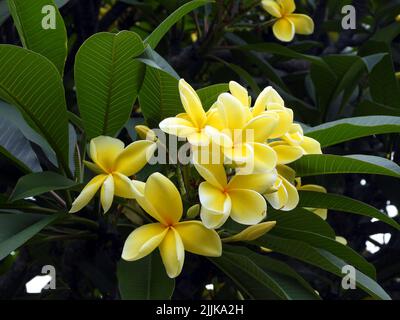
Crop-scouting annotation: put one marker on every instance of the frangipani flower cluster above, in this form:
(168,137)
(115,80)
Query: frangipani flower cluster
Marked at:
(240,150)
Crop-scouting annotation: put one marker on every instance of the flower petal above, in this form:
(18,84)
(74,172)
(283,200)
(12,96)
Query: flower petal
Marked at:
(284,30)
(219,137)
(268,96)
(239,154)
(239,93)
(272,7)
(213,198)
(199,139)
(310,146)
(192,104)
(279,198)
(252,233)
(212,219)
(123,186)
(88,193)
(107,193)
(264,159)
(104,150)
(172,253)
(303,24)
(178,127)
(293,196)
(286,153)
(143,240)
(285,121)
(259,182)
(134,157)
(288,6)
(164,197)
(198,239)
(231,111)
(213,174)
(260,128)
(248,206)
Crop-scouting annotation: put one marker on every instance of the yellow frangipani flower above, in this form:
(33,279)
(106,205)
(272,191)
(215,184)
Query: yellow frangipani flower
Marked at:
(296,137)
(114,164)
(283,194)
(191,124)
(240,198)
(243,137)
(251,233)
(323,213)
(161,199)
(287,23)
(269,101)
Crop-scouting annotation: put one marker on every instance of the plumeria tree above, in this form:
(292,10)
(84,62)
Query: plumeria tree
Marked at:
(135,185)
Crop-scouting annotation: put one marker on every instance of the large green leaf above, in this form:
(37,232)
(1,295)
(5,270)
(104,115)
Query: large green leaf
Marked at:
(312,165)
(38,183)
(51,43)
(151,58)
(209,95)
(159,96)
(320,258)
(107,80)
(338,202)
(342,130)
(17,148)
(33,84)
(144,279)
(16,229)
(154,38)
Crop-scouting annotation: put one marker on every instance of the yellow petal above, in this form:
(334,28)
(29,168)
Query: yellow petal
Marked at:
(210,154)
(285,120)
(104,150)
(231,111)
(107,193)
(199,139)
(214,118)
(303,24)
(268,96)
(295,135)
(88,193)
(259,182)
(286,153)
(192,104)
(164,197)
(252,233)
(260,128)
(248,206)
(293,196)
(93,167)
(219,137)
(212,219)
(145,133)
(272,7)
(172,253)
(213,174)
(138,188)
(123,186)
(284,30)
(178,127)
(310,146)
(264,159)
(239,93)
(198,239)
(288,6)
(143,240)
(279,198)
(239,154)
(288,173)
(213,198)
(134,157)
(313,187)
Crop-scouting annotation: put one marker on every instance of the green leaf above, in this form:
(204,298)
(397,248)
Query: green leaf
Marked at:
(51,43)
(367,107)
(312,165)
(144,279)
(159,96)
(38,183)
(209,95)
(17,148)
(107,80)
(154,38)
(334,132)
(151,58)
(331,245)
(16,229)
(33,84)
(320,258)
(338,202)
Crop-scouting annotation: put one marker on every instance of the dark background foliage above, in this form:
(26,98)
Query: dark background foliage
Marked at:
(209,46)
